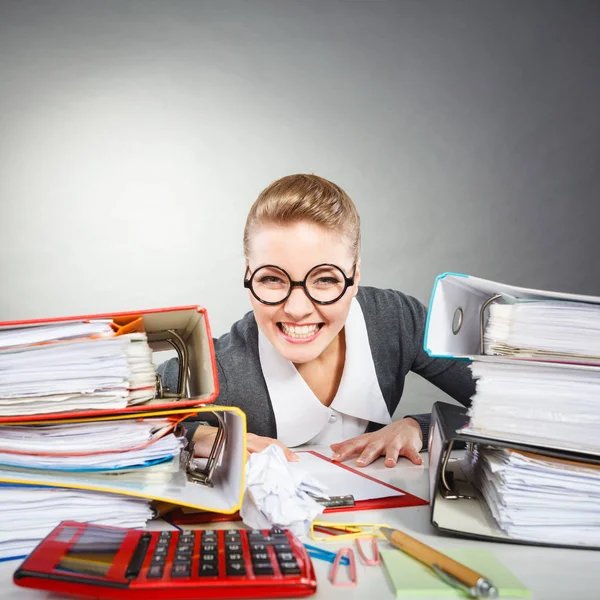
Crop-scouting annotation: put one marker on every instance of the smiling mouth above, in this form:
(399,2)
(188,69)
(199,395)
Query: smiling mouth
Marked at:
(300,331)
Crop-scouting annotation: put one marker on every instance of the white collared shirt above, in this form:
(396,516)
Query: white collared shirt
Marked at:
(300,416)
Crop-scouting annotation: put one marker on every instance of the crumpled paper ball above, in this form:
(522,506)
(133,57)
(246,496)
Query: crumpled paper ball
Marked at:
(278,493)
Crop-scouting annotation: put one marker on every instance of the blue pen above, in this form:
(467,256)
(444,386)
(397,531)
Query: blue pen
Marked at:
(322,554)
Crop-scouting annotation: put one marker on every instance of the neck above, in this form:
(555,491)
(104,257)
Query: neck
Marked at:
(324,373)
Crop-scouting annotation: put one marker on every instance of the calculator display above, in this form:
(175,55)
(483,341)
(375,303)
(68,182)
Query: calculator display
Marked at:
(93,552)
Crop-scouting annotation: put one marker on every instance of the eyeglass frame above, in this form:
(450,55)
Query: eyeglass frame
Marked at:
(348,282)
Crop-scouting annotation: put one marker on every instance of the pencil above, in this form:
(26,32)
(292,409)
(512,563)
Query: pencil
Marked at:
(452,572)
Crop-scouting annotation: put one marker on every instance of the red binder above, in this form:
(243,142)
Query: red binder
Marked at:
(186,326)
(179,517)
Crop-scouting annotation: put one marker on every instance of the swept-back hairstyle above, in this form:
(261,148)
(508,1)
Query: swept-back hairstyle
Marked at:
(308,198)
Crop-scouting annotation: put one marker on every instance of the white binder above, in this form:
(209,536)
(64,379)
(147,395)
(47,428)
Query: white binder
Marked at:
(455,320)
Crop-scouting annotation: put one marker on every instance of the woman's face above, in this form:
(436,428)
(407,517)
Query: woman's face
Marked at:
(299,328)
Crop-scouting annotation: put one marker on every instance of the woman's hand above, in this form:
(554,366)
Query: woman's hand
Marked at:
(256,443)
(400,438)
(204,437)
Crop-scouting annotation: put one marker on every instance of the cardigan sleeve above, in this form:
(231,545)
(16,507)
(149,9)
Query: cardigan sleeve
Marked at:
(451,376)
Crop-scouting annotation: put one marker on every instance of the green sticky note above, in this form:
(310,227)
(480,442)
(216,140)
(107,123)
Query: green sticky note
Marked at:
(412,578)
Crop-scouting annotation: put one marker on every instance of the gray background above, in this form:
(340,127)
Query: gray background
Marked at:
(134,136)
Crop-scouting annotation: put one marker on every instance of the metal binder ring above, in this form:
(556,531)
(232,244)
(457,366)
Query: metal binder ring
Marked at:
(457,321)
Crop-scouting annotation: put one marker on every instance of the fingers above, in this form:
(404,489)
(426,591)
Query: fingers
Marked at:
(204,438)
(391,455)
(371,452)
(289,454)
(257,443)
(411,453)
(349,448)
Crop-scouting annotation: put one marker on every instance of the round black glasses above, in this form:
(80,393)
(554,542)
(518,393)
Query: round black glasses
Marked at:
(323,284)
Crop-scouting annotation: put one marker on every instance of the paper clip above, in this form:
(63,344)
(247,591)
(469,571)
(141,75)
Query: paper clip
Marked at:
(376,559)
(343,531)
(322,554)
(333,573)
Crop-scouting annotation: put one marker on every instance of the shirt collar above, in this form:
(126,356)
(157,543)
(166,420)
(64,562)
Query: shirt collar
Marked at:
(298,413)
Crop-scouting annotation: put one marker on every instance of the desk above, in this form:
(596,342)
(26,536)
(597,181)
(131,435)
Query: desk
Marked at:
(550,573)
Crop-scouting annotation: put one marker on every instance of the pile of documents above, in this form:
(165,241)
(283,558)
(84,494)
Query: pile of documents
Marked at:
(535,414)
(544,329)
(61,369)
(539,381)
(30,513)
(541,403)
(540,499)
(538,386)
(73,366)
(79,455)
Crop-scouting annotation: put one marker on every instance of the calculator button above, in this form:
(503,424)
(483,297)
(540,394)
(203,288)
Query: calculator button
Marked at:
(289,568)
(236,568)
(235,557)
(161,550)
(282,548)
(257,547)
(155,572)
(262,556)
(209,536)
(277,530)
(262,568)
(164,535)
(185,548)
(183,558)
(232,534)
(209,547)
(285,556)
(208,570)
(180,571)
(208,558)
(159,560)
(234,547)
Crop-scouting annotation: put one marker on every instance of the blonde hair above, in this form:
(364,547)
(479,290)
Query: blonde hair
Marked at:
(309,198)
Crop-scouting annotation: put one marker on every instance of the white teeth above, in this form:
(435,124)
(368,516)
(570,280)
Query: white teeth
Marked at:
(299,331)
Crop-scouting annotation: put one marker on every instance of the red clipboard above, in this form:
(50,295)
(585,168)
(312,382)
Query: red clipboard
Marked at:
(189,322)
(178,517)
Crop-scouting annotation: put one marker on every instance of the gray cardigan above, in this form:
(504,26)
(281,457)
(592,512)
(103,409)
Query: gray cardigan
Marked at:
(395,325)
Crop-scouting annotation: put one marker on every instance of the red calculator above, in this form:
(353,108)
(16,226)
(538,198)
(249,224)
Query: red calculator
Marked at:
(97,561)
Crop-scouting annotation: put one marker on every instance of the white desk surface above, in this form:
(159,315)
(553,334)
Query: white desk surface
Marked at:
(549,573)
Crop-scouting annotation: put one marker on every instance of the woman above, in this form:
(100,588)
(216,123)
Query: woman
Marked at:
(319,359)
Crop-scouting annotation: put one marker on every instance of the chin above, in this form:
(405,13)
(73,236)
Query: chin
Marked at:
(300,354)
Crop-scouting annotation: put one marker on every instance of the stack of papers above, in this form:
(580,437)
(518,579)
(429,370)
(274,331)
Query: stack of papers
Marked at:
(30,513)
(540,499)
(73,366)
(545,404)
(106,446)
(123,455)
(544,329)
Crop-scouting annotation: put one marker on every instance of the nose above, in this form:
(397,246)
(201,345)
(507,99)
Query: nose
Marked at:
(298,305)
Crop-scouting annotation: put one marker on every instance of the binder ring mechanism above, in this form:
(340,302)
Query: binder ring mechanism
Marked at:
(451,487)
(194,472)
(176,341)
(204,475)
(458,319)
